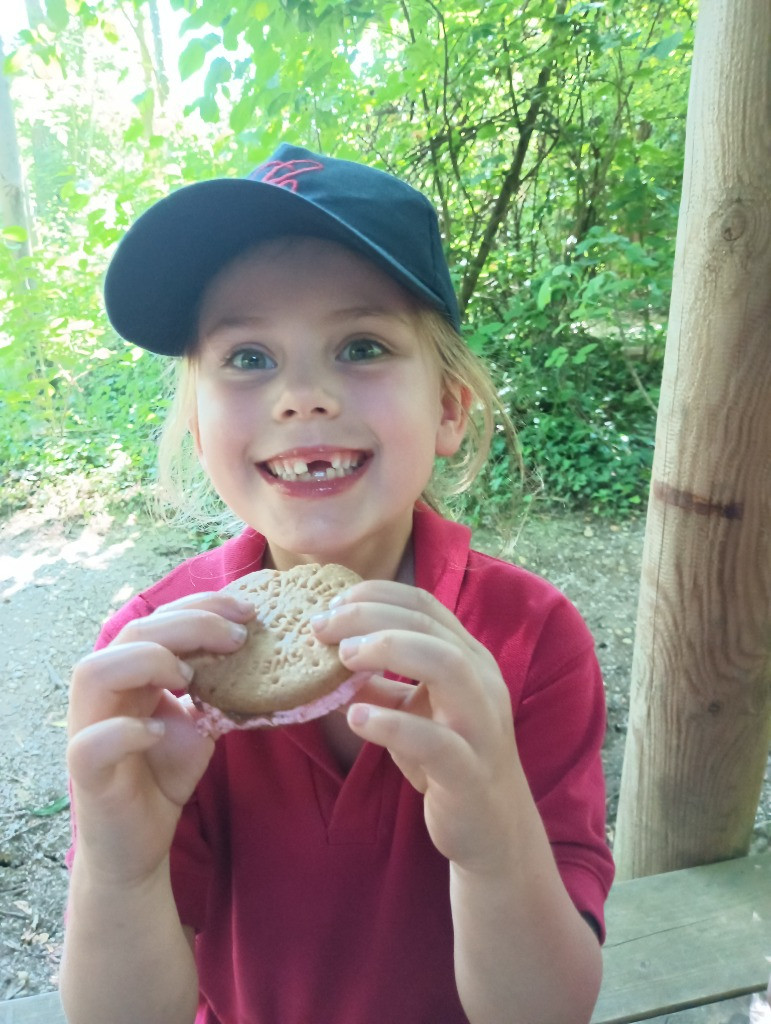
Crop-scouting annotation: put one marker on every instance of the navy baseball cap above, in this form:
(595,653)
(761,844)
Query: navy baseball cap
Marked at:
(165,260)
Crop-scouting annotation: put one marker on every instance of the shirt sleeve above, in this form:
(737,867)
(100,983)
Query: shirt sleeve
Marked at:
(191,867)
(560,727)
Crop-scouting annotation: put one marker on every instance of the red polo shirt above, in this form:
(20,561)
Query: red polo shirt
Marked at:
(319,897)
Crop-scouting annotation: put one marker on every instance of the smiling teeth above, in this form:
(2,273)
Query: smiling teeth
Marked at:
(297,469)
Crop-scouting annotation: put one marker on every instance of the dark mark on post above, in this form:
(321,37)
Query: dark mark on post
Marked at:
(694,503)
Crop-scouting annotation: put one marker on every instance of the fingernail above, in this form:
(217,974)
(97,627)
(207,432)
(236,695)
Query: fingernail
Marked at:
(187,671)
(318,620)
(238,632)
(155,726)
(245,606)
(358,714)
(349,645)
(338,599)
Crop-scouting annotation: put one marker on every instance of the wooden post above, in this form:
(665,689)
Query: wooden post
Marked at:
(700,709)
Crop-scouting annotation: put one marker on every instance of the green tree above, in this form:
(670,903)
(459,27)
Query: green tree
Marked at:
(550,137)
(548,133)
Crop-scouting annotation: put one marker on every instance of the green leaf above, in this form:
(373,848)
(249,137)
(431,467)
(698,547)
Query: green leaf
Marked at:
(13,64)
(557,357)
(14,233)
(191,59)
(55,807)
(110,33)
(219,71)
(544,294)
(666,47)
(134,131)
(580,356)
(57,14)
(208,109)
(144,101)
(242,112)
(193,56)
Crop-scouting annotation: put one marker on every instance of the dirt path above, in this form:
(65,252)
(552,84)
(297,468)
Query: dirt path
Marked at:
(59,578)
(61,575)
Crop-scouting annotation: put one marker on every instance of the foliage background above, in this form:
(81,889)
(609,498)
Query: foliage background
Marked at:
(548,133)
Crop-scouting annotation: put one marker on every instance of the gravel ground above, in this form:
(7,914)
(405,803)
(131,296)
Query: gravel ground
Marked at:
(62,572)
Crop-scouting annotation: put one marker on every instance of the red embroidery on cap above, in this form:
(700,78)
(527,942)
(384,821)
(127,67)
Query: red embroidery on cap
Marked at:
(285,173)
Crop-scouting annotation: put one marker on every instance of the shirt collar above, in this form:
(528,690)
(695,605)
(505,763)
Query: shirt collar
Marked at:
(441,550)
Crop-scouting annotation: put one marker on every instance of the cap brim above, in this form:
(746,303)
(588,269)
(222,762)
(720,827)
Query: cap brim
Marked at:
(163,264)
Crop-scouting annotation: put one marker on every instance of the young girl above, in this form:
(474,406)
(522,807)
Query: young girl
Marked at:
(436,853)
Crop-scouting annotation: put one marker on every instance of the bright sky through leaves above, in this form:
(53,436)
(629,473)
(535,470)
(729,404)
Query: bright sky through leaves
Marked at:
(13,18)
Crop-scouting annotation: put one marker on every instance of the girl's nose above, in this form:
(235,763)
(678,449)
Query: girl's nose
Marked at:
(301,398)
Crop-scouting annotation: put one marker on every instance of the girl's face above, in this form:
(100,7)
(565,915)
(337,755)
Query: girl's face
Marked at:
(319,409)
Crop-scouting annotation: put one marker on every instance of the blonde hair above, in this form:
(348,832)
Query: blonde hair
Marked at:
(462,371)
(186,495)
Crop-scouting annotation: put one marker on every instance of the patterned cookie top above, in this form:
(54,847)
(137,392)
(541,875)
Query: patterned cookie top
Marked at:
(282,664)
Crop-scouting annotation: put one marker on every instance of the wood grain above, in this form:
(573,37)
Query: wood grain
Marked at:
(699,720)
(685,939)
(43,1009)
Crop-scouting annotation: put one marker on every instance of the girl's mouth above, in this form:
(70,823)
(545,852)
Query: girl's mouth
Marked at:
(293,469)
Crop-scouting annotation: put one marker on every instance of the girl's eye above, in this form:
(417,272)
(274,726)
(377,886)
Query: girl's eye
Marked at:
(362,349)
(251,359)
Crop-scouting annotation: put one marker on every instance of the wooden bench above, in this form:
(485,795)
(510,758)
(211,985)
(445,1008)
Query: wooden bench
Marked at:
(44,1009)
(675,941)
(685,939)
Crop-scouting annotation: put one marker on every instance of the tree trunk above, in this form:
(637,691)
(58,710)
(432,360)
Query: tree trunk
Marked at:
(701,677)
(160,64)
(35,14)
(148,103)
(13,211)
(512,180)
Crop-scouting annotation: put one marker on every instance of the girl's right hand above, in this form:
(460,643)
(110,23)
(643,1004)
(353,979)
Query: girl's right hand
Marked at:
(134,753)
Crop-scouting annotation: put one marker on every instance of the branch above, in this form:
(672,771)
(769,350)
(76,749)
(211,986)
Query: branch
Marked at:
(511,182)
(510,186)
(432,141)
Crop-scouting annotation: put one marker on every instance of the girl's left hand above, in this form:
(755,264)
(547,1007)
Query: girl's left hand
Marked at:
(452,734)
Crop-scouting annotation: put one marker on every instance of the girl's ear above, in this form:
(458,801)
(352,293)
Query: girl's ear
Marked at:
(456,403)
